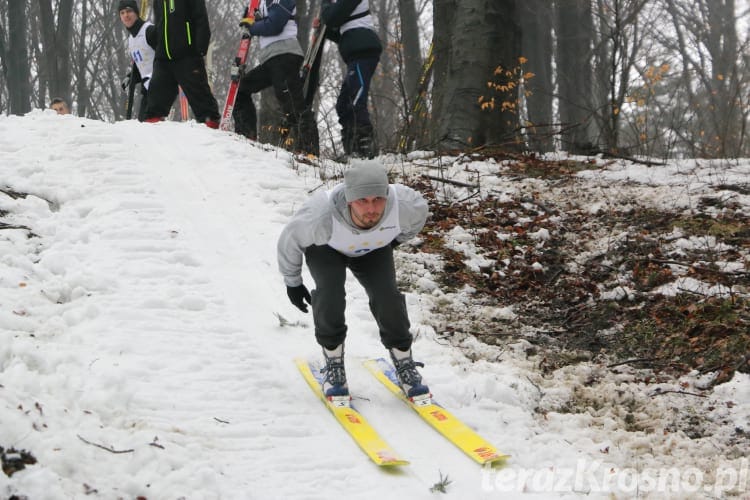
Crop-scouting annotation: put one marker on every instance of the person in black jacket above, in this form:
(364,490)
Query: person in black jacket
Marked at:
(280,58)
(182,43)
(349,24)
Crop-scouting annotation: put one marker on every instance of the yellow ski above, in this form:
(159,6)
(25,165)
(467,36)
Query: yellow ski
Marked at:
(438,417)
(350,419)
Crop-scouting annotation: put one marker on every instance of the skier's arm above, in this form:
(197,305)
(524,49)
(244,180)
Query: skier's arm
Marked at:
(201,31)
(334,14)
(333,34)
(135,74)
(412,212)
(274,22)
(152,36)
(311,225)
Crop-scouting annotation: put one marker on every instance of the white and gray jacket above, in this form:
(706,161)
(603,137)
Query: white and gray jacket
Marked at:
(313,224)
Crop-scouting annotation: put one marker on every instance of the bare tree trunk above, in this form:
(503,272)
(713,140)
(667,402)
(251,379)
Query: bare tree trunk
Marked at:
(386,86)
(442,47)
(3,62)
(712,69)
(18,72)
(472,39)
(722,48)
(412,53)
(307,10)
(574,51)
(536,28)
(270,119)
(39,82)
(56,39)
(82,91)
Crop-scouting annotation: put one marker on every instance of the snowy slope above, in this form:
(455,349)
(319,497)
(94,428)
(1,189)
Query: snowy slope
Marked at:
(140,353)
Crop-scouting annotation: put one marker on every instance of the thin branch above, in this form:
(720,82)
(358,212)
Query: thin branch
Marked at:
(657,392)
(106,448)
(449,181)
(636,360)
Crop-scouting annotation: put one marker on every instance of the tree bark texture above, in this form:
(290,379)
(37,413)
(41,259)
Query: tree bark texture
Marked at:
(536,42)
(472,39)
(56,40)
(18,73)
(574,73)
(412,54)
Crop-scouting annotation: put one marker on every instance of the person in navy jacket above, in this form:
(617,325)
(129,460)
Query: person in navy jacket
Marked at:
(280,60)
(349,24)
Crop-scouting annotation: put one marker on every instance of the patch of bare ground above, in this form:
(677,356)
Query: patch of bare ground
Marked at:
(583,282)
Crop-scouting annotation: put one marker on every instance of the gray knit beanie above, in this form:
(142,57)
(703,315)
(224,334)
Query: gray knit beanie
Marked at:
(128,4)
(365,179)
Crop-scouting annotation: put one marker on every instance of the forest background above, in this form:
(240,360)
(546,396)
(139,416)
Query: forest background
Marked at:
(634,78)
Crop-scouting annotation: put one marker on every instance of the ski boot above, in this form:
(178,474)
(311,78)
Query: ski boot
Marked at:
(409,377)
(365,147)
(334,384)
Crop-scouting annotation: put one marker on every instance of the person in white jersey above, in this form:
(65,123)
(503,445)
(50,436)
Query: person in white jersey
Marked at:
(280,59)
(355,225)
(141,44)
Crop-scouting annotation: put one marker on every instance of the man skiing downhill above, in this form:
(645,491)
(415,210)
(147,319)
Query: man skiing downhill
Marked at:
(355,225)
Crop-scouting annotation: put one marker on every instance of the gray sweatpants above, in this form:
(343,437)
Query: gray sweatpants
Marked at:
(376,273)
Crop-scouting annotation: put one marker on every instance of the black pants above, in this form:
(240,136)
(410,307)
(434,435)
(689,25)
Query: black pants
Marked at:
(376,273)
(143,105)
(351,105)
(190,74)
(281,73)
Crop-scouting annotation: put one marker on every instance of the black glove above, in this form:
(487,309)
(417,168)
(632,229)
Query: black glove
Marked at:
(298,295)
(125,83)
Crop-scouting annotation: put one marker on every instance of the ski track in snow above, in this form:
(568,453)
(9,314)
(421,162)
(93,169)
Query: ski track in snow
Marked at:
(167,344)
(142,319)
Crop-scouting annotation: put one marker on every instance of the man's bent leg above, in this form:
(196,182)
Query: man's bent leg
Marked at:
(377,274)
(328,269)
(244,114)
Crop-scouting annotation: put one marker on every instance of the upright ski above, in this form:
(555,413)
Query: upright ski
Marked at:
(239,61)
(438,417)
(184,111)
(144,9)
(353,421)
(131,94)
(309,72)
